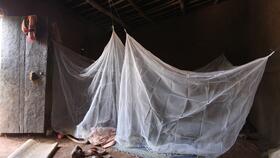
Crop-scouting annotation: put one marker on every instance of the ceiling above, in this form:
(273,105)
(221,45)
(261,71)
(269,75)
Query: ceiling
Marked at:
(132,13)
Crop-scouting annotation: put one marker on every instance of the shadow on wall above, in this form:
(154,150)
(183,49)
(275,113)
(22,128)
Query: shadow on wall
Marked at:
(264,35)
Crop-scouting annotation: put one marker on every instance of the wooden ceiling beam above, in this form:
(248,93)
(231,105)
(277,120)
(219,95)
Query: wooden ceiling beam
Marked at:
(117,2)
(198,4)
(140,12)
(159,14)
(106,12)
(150,3)
(153,10)
(123,6)
(182,6)
(162,7)
(79,5)
(216,1)
(167,14)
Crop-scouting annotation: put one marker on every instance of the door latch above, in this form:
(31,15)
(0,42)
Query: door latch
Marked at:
(33,76)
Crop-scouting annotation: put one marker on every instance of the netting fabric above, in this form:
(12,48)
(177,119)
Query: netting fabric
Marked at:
(85,94)
(150,103)
(174,111)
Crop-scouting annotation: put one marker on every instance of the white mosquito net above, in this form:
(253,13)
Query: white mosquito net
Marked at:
(220,63)
(85,95)
(173,111)
(150,103)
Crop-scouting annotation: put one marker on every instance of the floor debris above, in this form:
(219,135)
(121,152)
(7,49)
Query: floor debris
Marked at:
(103,136)
(243,148)
(96,151)
(34,149)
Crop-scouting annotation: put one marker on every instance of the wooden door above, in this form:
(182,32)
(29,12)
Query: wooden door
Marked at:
(22,99)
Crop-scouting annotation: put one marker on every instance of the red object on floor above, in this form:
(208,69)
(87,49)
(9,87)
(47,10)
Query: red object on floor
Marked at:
(60,135)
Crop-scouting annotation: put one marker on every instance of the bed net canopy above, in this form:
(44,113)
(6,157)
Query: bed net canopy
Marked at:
(150,103)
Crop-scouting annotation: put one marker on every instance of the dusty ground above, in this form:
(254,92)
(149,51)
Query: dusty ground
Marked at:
(241,149)
(9,143)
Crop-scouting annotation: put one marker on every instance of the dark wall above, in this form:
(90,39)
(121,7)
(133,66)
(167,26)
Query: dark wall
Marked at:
(264,33)
(243,30)
(186,42)
(193,40)
(74,30)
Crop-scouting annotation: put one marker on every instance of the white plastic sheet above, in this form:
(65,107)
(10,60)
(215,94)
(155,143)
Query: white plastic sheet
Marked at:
(174,111)
(150,103)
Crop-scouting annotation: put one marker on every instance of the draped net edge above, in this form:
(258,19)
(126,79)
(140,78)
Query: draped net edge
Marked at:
(85,95)
(177,111)
(151,103)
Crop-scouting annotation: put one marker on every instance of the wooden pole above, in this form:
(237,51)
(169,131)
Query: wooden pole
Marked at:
(104,11)
(140,12)
(182,6)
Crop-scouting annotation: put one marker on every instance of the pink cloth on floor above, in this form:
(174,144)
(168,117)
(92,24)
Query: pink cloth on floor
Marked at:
(103,136)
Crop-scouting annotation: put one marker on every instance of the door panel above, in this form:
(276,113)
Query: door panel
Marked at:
(10,105)
(22,101)
(35,61)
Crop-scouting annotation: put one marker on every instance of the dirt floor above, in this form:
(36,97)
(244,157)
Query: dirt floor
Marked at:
(10,143)
(241,149)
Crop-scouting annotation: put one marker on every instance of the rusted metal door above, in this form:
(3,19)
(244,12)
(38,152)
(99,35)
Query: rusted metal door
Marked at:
(22,78)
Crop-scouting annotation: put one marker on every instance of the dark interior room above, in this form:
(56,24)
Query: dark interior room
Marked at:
(139,78)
